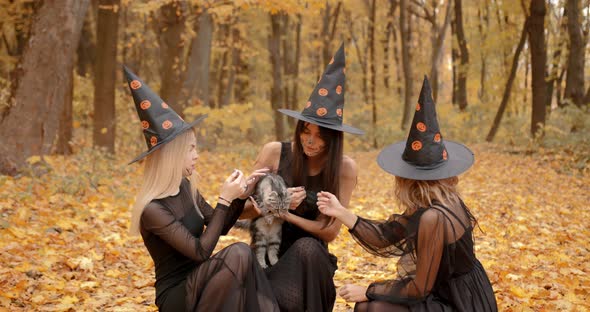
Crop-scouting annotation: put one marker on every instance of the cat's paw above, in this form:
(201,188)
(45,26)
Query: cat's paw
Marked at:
(273,260)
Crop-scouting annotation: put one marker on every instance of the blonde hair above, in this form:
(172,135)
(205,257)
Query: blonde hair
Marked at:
(414,194)
(162,175)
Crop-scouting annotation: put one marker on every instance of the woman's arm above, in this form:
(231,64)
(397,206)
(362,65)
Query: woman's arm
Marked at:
(161,222)
(430,245)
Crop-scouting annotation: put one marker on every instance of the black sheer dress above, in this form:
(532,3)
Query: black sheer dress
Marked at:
(302,279)
(188,277)
(437,271)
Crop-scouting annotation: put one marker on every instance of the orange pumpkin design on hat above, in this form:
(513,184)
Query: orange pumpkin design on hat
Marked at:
(153,140)
(135,84)
(417,107)
(339,89)
(416,145)
(145,124)
(323,91)
(167,124)
(145,104)
(437,138)
(164,105)
(308,104)
(322,111)
(421,127)
(339,112)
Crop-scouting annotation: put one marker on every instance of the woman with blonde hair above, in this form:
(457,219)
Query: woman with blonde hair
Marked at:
(171,216)
(438,270)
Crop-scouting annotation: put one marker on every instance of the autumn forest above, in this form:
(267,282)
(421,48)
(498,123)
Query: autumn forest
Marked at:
(509,79)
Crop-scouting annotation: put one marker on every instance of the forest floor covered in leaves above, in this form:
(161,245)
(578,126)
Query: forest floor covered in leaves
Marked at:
(64,242)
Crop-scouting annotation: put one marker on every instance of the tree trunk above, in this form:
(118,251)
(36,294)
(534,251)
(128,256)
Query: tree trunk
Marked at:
(242,91)
(538,64)
(30,127)
(233,50)
(64,136)
(574,81)
(483,22)
(398,66)
(509,82)
(389,32)
(406,36)
(454,61)
(556,61)
(87,47)
(437,49)
(360,57)
(463,69)
(373,69)
(170,32)
(293,101)
(104,129)
(223,65)
(276,91)
(328,28)
(196,85)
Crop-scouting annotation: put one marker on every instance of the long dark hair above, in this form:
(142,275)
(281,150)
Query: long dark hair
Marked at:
(334,153)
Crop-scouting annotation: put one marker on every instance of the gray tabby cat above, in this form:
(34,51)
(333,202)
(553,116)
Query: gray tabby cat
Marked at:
(273,199)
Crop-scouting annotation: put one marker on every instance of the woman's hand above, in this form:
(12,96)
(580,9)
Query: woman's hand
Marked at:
(233,187)
(297,195)
(255,208)
(353,293)
(329,205)
(252,180)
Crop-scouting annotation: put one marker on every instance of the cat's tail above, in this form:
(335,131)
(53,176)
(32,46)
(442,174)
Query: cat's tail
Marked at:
(243,224)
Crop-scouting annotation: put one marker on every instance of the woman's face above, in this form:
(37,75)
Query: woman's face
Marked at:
(313,144)
(191,156)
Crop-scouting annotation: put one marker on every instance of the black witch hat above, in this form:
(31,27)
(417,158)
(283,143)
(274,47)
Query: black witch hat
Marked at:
(160,123)
(325,106)
(425,155)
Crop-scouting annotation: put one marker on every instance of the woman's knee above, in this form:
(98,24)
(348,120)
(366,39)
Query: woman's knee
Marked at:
(239,250)
(361,307)
(308,248)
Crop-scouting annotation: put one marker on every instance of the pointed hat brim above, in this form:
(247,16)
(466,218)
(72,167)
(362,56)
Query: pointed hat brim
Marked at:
(337,127)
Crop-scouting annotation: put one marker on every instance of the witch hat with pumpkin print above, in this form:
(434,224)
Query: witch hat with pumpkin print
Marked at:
(325,106)
(160,123)
(425,155)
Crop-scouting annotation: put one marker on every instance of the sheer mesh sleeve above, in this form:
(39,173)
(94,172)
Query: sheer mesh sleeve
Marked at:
(385,239)
(418,270)
(160,221)
(236,208)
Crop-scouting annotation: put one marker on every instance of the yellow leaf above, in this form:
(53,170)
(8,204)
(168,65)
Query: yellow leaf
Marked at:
(34,159)
(103,130)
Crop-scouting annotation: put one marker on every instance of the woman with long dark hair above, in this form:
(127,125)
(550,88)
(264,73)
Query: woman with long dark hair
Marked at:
(302,279)
(433,237)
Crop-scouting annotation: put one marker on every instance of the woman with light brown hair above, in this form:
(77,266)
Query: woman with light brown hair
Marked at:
(180,229)
(438,270)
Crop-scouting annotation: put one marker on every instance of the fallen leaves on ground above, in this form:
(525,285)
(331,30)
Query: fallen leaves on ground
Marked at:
(64,244)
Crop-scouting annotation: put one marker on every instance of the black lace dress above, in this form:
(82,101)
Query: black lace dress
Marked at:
(302,279)
(188,277)
(437,271)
